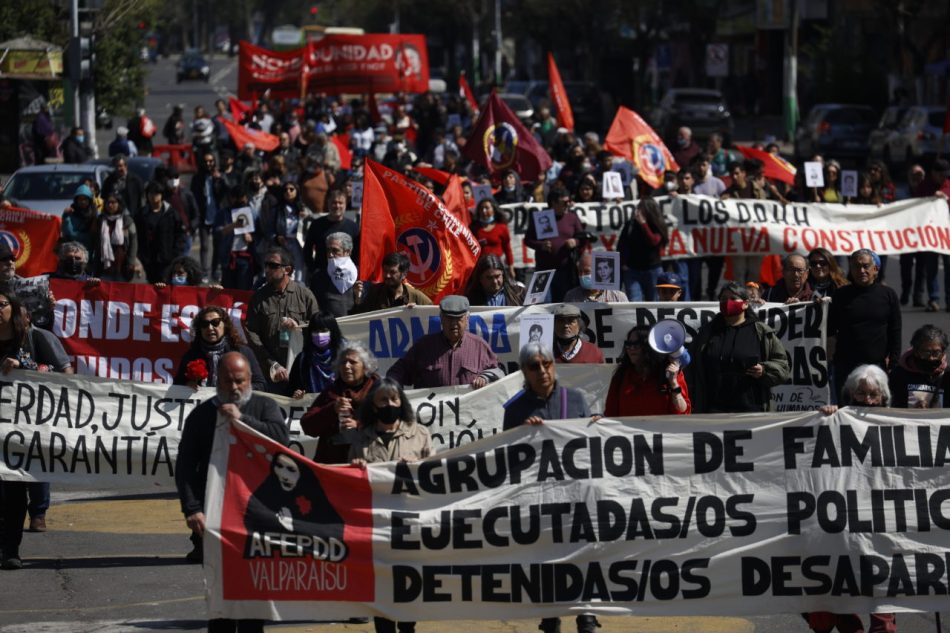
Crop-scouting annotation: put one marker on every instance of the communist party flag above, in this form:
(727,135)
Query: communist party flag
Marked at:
(407,217)
(32,238)
(776,167)
(630,136)
(499,141)
(465,91)
(241,135)
(565,116)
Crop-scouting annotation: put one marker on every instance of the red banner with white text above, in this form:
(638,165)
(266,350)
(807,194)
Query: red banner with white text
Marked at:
(336,64)
(133,331)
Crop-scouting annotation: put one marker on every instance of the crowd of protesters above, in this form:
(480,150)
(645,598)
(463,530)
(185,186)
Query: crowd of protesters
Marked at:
(297,249)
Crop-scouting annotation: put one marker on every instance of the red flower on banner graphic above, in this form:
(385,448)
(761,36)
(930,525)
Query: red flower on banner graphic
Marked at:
(303,504)
(196,371)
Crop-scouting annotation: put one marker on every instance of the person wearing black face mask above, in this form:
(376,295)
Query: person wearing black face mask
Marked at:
(737,359)
(73,259)
(388,433)
(920,379)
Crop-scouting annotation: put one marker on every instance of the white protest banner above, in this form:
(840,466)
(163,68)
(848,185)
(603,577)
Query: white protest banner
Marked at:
(85,432)
(701,225)
(701,515)
(801,327)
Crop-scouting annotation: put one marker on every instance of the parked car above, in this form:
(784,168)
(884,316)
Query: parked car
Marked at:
(193,65)
(142,166)
(519,104)
(836,130)
(703,111)
(50,188)
(919,135)
(886,127)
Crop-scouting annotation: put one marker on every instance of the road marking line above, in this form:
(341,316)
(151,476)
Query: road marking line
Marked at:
(224,72)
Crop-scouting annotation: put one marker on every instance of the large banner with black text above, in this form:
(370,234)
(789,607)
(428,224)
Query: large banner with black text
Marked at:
(712,515)
(800,326)
(702,226)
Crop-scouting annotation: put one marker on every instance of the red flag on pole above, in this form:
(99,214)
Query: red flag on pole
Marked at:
(499,141)
(407,217)
(342,143)
(776,167)
(455,201)
(32,238)
(630,136)
(466,92)
(238,109)
(433,174)
(565,116)
(241,135)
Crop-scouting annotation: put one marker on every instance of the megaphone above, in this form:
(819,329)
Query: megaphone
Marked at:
(667,337)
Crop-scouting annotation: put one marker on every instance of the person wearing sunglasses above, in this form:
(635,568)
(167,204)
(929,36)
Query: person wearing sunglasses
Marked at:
(646,382)
(212,336)
(824,274)
(543,399)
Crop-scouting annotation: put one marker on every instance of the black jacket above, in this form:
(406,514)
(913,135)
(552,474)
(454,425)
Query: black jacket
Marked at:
(219,190)
(161,243)
(194,450)
(133,195)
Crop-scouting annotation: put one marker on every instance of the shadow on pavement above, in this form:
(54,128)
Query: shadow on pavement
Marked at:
(105,562)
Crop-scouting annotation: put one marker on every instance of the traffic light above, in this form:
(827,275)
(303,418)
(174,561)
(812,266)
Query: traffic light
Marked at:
(81,56)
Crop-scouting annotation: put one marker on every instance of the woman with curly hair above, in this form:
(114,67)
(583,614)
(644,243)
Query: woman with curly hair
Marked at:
(213,335)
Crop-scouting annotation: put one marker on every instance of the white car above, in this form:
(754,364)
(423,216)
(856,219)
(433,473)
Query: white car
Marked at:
(50,188)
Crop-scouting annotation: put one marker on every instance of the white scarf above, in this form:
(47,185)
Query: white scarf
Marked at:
(342,272)
(107,240)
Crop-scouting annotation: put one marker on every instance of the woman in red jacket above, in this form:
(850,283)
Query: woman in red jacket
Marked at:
(646,383)
(492,233)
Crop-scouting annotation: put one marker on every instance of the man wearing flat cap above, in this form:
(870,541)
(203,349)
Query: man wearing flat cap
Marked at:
(453,356)
(569,345)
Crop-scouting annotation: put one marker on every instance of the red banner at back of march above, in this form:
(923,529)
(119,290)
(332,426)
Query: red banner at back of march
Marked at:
(336,64)
(292,530)
(32,237)
(133,331)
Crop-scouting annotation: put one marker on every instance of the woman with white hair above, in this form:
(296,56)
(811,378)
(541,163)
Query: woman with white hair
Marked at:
(334,410)
(865,386)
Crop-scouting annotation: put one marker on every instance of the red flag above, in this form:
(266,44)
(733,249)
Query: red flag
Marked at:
(407,217)
(433,174)
(32,237)
(342,142)
(565,116)
(776,167)
(455,200)
(466,92)
(630,136)
(241,135)
(499,141)
(238,109)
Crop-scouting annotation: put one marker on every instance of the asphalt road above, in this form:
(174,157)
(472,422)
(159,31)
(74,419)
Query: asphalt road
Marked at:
(116,564)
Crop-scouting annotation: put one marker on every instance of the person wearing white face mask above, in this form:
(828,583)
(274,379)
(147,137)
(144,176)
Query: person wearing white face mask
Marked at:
(333,283)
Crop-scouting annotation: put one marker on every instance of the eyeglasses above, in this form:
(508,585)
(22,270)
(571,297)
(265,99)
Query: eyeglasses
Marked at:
(212,322)
(535,366)
(273,265)
(929,353)
(818,263)
(634,343)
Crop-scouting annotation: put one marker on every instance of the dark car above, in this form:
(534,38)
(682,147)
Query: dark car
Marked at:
(193,65)
(836,130)
(703,111)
